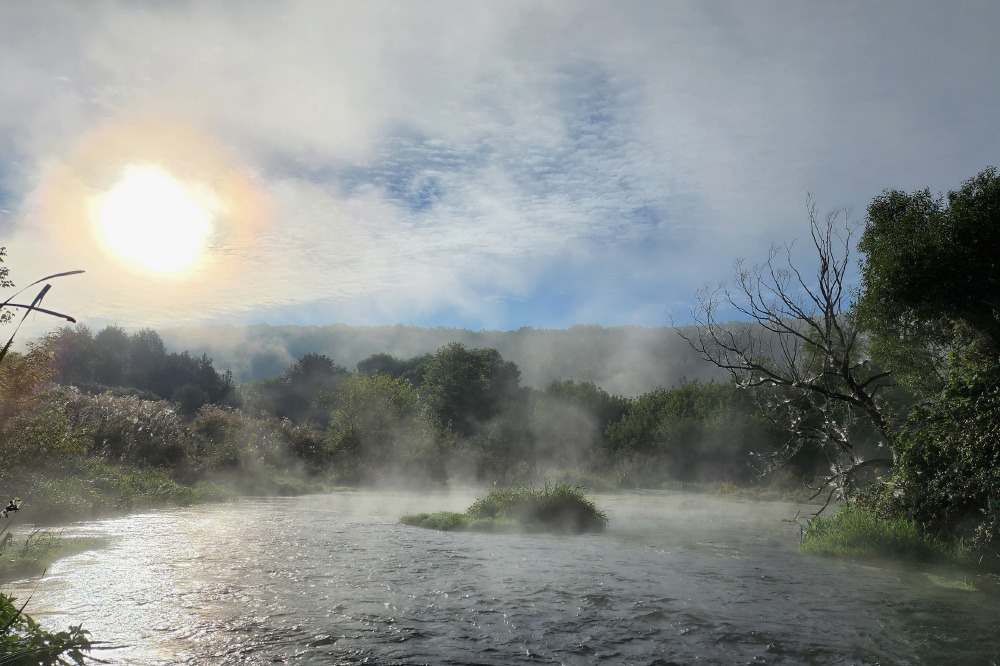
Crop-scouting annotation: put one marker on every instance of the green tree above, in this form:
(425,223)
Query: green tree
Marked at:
(112,361)
(291,396)
(467,388)
(74,355)
(377,425)
(929,277)
(412,369)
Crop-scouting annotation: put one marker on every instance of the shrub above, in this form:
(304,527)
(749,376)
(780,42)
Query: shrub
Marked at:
(948,455)
(562,508)
(128,429)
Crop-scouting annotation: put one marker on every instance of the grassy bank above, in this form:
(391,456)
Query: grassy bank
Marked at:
(83,488)
(856,532)
(33,554)
(560,508)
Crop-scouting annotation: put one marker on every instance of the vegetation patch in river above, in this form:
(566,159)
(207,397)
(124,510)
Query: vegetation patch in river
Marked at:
(858,532)
(559,508)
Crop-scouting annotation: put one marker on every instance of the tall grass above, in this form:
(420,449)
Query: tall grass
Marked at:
(857,532)
(32,555)
(561,508)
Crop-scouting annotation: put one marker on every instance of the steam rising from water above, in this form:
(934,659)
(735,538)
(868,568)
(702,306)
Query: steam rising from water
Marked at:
(335,579)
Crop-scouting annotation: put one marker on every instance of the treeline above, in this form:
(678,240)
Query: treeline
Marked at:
(458,414)
(140,362)
(628,360)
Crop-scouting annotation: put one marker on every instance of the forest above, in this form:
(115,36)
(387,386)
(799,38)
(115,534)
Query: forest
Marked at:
(882,395)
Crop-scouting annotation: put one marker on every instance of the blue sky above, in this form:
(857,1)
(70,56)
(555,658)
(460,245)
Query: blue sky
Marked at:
(480,165)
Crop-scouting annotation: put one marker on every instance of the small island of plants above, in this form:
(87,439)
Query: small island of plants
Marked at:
(559,508)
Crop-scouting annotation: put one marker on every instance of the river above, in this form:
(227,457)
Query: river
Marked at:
(335,579)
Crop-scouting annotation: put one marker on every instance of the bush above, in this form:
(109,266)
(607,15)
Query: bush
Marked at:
(128,429)
(948,455)
(561,508)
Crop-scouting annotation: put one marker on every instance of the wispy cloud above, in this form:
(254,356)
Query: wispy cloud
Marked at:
(483,164)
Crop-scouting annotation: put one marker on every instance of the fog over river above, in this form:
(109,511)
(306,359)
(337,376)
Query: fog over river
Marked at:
(335,579)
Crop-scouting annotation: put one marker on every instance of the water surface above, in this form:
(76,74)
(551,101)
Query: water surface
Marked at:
(335,579)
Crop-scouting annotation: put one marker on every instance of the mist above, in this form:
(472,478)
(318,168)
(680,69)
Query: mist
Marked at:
(624,360)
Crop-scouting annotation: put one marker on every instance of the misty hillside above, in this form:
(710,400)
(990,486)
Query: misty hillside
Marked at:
(627,360)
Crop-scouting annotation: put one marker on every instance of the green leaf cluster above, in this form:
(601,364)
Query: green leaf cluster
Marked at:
(24,643)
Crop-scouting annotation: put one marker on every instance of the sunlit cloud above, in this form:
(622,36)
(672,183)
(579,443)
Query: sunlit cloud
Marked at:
(489,164)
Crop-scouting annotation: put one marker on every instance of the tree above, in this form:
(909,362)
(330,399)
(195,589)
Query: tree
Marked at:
(801,354)
(467,388)
(930,294)
(569,419)
(292,394)
(376,424)
(74,355)
(112,356)
(929,277)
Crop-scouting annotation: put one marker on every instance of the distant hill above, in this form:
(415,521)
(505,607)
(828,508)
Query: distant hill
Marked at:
(627,360)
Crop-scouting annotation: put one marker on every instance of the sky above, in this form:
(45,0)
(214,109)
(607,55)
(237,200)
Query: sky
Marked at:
(482,165)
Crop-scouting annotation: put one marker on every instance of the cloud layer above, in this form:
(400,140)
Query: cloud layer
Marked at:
(475,164)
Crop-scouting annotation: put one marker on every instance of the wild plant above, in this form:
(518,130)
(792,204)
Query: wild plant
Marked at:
(22,640)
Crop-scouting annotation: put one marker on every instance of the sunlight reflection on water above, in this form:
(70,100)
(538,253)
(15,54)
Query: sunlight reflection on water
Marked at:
(335,579)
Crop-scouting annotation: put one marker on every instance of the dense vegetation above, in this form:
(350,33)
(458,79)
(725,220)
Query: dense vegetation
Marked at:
(561,508)
(928,304)
(112,421)
(82,440)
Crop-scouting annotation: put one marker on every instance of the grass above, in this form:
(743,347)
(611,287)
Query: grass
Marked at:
(32,555)
(88,488)
(856,532)
(559,508)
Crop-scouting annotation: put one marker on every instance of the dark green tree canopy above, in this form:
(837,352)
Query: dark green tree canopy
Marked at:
(469,387)
(930,273)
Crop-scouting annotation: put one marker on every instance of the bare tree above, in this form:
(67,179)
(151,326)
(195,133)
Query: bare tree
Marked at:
(798,350)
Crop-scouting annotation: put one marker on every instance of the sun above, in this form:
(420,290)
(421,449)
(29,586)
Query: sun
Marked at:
(152,221)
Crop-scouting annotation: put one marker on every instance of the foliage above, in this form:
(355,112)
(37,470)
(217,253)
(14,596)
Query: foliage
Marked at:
(948,475)
(24,643)
(569,419)
(412,370)
(127,429)
(446,521)
(466,388)
(140,361)
(292,395)
(377,425)
(696,431)
(22,383)
(77,488)
(929,277)
(859,532)
(561,508)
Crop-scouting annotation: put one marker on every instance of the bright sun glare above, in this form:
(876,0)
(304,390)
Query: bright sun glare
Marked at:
(151,220)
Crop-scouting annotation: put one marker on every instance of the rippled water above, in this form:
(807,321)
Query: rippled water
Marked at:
(335,579)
